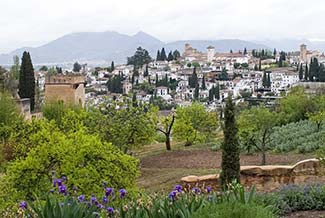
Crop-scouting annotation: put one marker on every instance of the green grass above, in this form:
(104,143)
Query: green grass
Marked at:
(164,179)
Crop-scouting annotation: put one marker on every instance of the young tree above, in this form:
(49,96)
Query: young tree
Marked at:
(76,67)
(230,148)
(255,127)
(27,80)
(165,126)
(194,124)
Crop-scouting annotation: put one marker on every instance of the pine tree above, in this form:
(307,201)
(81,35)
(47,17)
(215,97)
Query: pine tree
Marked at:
(306,73)
(158,58)
(76,67)
(170,57)
(230,148)
(27,80)
(163,56)
(301,72)
(203,87)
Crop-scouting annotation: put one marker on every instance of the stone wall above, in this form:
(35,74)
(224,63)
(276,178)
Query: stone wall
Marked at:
(267,178)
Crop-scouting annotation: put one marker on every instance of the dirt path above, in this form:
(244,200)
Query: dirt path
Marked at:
(212,159)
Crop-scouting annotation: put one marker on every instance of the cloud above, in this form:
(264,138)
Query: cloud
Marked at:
(32,22)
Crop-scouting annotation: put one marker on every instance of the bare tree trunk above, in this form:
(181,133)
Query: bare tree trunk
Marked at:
(168,147)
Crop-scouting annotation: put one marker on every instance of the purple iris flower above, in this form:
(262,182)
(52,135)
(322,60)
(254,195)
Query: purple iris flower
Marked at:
(93,199)
(196,190)
(59,182)
(81,198)
(54,182)
(178,188)
(63,189)
(209,189)
(172,195)
(110,210)
(105,200)
(122,193)
(23,205)
(108,191)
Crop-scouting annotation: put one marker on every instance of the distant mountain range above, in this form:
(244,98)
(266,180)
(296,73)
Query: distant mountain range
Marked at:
(99,48)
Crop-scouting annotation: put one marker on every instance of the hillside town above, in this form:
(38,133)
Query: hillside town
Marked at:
(250,77)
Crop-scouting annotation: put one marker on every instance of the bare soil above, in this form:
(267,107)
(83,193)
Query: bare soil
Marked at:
(207,159)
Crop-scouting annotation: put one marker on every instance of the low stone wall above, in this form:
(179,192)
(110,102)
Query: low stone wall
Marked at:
(267,178)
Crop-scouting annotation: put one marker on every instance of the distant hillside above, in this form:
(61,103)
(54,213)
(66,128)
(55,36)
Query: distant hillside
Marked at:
(293,44)
(103,47)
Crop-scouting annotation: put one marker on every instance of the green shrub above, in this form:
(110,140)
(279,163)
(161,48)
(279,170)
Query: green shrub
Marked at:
(83,158)
(233,209)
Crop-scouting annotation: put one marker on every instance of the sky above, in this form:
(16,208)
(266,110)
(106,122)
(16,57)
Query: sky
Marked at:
(36,22)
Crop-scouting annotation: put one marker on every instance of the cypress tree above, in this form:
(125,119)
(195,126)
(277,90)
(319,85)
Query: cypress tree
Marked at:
(170,57)
(146,72)
(260,65)
(203,84)
(230,148)
(264,80)
(176,55)
(306,73)
(245,51)
(158,58)
(211,94)
(217,91)
(301,72)
(27,80)
(163,56)
(112,66)
(193,80)
(268,80)
(196,92)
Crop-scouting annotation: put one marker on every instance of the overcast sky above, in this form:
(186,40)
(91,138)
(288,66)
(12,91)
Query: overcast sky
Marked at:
(35,22)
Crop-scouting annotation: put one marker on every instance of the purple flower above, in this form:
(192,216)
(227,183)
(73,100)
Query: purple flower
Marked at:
(93,199)
(54,182)
(64,178)
(110,210)
(63,189)
(81,198)
(108,191)
(59,182)
(172,195)
(122,193)
(23,205)
(196,190)
(209,189)
(178,188)
(100,206)
(105,200)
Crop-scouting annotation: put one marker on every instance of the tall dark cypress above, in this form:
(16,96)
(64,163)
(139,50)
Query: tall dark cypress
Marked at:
(27,80)
(230,147)
(158,58)
(301,72)
(163,55)
(268,80)
(306,73)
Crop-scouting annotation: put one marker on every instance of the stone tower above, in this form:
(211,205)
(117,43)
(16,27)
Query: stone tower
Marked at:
(210,54)
(67,88)
(303,53)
